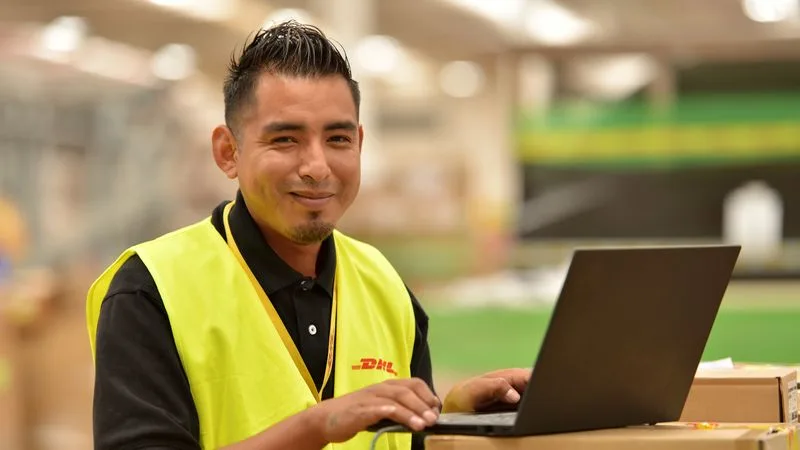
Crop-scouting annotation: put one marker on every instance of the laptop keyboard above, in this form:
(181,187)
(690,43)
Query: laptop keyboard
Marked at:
(503,418)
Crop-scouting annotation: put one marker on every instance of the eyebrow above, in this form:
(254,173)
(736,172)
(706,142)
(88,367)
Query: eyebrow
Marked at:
(277,127)
(342,125)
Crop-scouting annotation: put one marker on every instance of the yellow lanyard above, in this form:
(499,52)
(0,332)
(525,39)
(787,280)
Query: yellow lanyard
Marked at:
(278,323)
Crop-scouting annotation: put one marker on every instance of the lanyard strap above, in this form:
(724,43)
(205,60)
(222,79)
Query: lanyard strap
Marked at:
(278,323)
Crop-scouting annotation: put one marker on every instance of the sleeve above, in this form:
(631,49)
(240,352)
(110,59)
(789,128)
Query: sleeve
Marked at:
(142,398)
(421,366)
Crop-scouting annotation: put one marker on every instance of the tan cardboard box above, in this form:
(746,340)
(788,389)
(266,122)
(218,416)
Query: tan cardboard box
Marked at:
(11,413)
(58,373)
(672,436)
(743,395)
(763,366)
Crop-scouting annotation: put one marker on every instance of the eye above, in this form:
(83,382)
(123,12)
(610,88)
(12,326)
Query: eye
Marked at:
(340,139)
(283,140)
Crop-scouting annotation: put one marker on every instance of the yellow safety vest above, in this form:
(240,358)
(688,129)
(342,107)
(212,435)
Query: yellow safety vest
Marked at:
(244,375)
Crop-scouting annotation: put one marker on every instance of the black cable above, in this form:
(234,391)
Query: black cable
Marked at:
(389,429)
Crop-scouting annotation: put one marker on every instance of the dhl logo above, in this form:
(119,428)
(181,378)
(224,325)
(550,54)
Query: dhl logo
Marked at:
(375,364)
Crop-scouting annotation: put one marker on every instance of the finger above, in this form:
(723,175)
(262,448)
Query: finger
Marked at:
(342,425)
(421,388)
(424,392)
(407,397)
(518,378)
(487,391)
(382,408)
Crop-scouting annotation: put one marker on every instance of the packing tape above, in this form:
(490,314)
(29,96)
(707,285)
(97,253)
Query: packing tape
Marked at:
(790,430)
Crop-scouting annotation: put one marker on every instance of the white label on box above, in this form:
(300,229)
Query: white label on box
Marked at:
(792,398)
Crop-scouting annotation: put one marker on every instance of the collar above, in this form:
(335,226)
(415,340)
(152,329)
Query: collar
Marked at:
(271,271)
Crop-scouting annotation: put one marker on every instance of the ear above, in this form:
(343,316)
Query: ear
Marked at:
(360,137)
(223,144)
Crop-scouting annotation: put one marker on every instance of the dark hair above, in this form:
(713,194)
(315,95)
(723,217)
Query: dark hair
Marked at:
(288,48)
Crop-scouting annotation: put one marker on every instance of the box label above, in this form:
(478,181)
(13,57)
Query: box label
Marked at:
(792,398)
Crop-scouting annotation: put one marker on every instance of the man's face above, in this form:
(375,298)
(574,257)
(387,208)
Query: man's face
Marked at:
(299,158)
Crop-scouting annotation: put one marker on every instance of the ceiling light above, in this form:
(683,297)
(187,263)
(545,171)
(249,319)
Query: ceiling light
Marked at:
(552,24)
(213,10)
(64,35)
(174,62)
(769,10)
(286,14)
(611,77)
(501,11)
(461,79)
(171,3)
(377,55)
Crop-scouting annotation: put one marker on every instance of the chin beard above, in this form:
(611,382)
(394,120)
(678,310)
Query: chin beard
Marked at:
(312,232)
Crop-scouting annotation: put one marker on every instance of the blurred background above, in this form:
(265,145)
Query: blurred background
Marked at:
(501,135)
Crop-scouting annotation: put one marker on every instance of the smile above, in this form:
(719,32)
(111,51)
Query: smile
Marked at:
(311,200)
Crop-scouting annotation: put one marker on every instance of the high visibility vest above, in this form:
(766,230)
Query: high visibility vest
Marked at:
(243,376)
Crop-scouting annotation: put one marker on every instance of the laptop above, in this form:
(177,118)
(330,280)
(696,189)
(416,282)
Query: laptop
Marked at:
(622,346)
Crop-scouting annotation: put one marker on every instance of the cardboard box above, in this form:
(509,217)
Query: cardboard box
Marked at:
(763,366)
(11,413)
(739,395)
(672,436)
(58,372)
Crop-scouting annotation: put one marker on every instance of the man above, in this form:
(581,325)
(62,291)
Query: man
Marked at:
(262,327)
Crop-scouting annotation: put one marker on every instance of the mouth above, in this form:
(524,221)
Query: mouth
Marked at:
(312,195)
(312,200)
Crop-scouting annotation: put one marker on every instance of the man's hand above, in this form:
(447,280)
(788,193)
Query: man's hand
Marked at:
(499,390)
(408,402)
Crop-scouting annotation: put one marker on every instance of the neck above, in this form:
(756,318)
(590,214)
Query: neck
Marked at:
(302,258)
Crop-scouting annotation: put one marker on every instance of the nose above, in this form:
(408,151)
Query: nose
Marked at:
(314,163)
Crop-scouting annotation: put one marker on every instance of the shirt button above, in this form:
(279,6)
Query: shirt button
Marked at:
(306,285)
(312,329)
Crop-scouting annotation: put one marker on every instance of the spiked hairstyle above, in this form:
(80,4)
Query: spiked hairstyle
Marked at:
(288,49)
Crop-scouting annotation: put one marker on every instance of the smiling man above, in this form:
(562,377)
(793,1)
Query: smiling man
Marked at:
(262,326)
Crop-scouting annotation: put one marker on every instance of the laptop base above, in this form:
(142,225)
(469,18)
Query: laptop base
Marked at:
(475,424)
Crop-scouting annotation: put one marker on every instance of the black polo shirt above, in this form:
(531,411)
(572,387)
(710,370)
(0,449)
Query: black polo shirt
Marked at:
(142,398)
